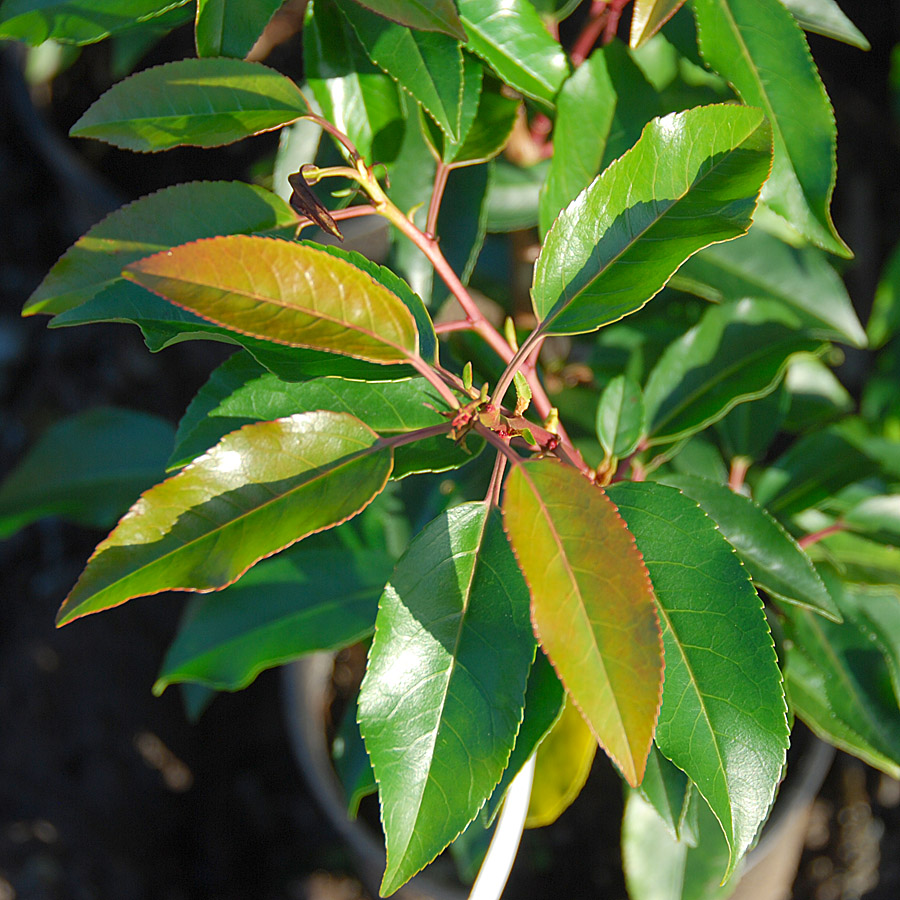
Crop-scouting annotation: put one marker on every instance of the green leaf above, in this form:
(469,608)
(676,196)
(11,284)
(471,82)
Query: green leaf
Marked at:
(300,602)
(648,17)
(164,324)
(839,684)
(773,558)
(193,102)
(723,717)
(231,27)
(667,789)
(735,353)
(153,223)
(760,265)
(351,762)
(760,49)
(620,417)
(826,17)
(563,763)
(512,203)
(657,867)
(284,292)
(876,514)
(510,36)
(884,321)
(76,21)
(426,64)
(860,560)
(544,700)
(257,491)
(442,699)
(353,94)
(584,115)
(815,396)
(240,392)
(691,180)
(427,15)
(814,468)
(77,469)
(749,429)
(592,604)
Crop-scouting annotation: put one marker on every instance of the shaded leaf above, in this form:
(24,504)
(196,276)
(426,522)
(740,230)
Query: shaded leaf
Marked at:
(760,265)
(512,203)
(300,602)
(884,320)
(592,604)
(194,102)
(667,789)
(231,27)
(860,560)
(443,695)
(648,17)
(760,49)
(510,36)
(563,764)
(584,115)
(773,558)
(749,428)
(876,514)
(815,395)
(723,716)
(620,416)
(826,17)
(257,491)
(691,180)
(428,15)
(735,353)
(351,761)
(76,21)
(77,469)
(153,223)
(283,292)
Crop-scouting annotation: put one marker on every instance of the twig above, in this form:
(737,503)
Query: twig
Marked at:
(492,498)
(738,472)
(458,325)
(435,379)
(420,434)
(817,536)
(437,194)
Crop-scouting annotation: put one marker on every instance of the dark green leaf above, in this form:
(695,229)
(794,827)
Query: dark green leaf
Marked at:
(300,602)
(427,15)
(773,558)
(735,353)
(691,180)
(258,491)
(443,695)
(194,102)
(353,94)
(620,416)
(860,560)
(760,49)
(511,37)
(760,265)
(750,428)
(723,717)
(667,789)
(351,762)
(584,116)
(87,468)
(153,223)
(814,395)
(231,27)
(879,514)
(76,21)
(884,322)
(825,17)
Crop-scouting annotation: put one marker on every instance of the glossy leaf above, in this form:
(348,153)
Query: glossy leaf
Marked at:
(826,17)
(562,766)
(153,223)
(648,17)
(353,93)
(77,469)
(426,64)
(592,604)
(194,102)
(300,602)
(76,21)
(723,717)
(163,324)
(283,292)
(620,417)
(773,558)
(428,15)
(657,867)
(544,701)
(256,492)
(760,49)
(735,353)
(443,695)
(241,391)
(839,684)
(584,115)
(510,36)
(667,789)
(760,265)
(691,180)
(231,27)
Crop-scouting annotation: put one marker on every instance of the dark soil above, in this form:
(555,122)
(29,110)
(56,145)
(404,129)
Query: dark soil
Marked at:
(107,793)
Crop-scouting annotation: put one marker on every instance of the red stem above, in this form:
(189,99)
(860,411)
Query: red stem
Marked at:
(738,473)
(817,536)
(493,492)
(458,325)
(420,434)
(437,194)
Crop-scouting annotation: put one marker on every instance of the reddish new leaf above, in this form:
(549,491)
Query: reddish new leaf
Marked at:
(593,607)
